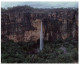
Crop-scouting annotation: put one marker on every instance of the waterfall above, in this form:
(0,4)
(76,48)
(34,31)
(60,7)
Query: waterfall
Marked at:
(41,38)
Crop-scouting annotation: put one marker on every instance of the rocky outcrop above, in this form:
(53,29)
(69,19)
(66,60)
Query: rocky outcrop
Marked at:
(25,26)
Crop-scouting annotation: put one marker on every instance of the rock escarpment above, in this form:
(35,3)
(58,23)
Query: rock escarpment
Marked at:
(25,26)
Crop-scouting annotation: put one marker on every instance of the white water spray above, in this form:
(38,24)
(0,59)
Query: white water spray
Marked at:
(41,38)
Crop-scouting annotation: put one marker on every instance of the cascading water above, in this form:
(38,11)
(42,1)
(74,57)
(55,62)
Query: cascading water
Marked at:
(41,38)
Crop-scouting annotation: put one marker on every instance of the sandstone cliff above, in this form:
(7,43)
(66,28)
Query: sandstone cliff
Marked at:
(25,25)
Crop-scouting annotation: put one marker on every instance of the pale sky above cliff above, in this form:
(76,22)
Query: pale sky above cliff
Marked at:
(41,4)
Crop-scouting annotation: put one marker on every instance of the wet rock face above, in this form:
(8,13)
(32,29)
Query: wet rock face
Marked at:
(26,26)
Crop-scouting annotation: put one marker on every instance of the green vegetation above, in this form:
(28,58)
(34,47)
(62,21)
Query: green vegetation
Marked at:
(18,8)
(3,10)
(27,8)
(23,52)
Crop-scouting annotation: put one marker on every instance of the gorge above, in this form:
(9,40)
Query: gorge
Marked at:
(33,35)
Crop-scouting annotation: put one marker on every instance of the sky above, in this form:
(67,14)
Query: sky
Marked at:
(41,4)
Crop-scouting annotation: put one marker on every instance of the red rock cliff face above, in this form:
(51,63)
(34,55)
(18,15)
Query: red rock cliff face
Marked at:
(25,26)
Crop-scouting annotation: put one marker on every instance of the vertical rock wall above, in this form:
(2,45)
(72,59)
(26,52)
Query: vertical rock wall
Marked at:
(26,26)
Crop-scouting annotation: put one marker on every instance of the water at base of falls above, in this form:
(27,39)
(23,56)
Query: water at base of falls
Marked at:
(41,38)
